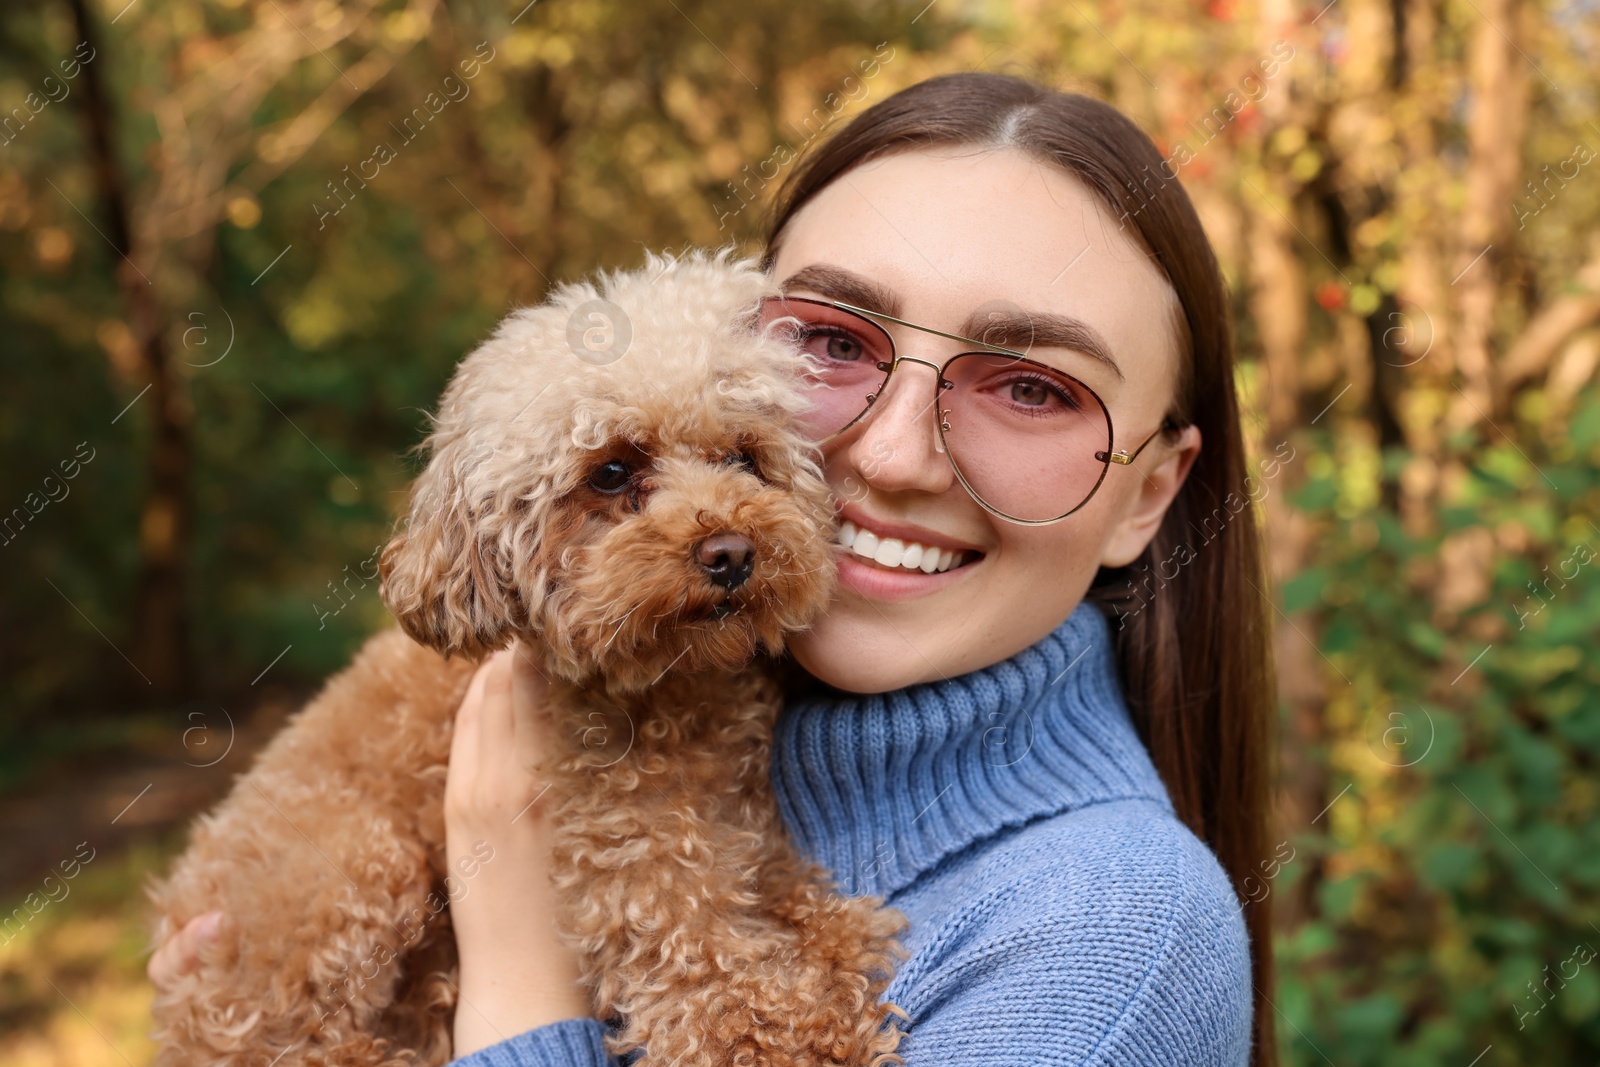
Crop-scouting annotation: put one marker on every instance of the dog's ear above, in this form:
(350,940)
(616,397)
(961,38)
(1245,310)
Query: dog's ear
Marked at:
(442,574)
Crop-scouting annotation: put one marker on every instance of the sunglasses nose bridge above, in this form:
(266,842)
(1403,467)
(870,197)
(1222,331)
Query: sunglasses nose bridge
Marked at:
(936,368)
(892,364)
(917,416)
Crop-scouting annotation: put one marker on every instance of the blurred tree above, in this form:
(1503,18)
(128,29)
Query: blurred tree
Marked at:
(205,117)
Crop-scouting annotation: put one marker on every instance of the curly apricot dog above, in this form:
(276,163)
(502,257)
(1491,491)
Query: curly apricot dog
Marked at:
(646,519)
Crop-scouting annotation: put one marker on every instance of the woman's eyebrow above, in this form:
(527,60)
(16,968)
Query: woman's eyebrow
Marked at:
(1022,330)
(846,286)
(1016,329)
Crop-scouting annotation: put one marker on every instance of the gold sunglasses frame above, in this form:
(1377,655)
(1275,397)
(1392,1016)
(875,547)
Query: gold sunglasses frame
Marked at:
(1106,457)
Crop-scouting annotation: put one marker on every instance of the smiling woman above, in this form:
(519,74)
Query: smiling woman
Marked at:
(957,197)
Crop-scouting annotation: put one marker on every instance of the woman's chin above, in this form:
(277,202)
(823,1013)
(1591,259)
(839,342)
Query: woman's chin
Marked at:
(861,654)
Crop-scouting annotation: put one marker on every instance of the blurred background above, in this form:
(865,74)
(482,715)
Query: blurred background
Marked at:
(245,242)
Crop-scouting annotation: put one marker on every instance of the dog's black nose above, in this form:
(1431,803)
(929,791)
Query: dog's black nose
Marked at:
(727,559)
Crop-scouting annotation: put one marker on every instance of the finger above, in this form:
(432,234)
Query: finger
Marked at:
(181,953)
(200,930)
(464,739)
(496,735)
(162,967)
(530,704)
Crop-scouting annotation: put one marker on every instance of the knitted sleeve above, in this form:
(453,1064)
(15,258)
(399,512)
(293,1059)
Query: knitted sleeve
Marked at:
(1107,936)
(568,1043)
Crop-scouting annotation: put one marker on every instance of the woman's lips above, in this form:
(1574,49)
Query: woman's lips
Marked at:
(882,567)
(883,583)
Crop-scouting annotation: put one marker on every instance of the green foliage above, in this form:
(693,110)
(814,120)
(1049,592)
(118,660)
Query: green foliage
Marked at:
(1465,871)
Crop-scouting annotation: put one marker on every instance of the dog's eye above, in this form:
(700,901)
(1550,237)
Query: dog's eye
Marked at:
(742,459)
(611,477)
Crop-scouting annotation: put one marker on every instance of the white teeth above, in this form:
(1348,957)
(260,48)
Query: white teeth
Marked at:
(895,552)
(890,549)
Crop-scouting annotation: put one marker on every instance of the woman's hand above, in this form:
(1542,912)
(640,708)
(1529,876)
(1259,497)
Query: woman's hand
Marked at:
(516,973)
(180,953)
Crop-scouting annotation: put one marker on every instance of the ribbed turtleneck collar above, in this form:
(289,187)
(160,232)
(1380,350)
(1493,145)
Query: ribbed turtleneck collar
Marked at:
(880,788)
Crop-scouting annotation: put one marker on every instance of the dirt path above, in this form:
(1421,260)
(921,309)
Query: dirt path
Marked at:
(147,781)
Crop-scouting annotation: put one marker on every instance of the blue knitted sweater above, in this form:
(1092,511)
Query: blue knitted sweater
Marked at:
(1060,913)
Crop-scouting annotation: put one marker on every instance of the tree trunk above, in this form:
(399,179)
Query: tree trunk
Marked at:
(160,614)
(1497,74)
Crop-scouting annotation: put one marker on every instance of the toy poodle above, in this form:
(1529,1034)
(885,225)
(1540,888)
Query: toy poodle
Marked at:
(616,481)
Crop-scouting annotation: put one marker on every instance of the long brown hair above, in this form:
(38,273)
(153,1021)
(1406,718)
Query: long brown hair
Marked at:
(1195,655)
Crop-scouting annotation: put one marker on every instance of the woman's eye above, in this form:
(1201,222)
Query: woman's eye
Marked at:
(834,344)
(844,347)
(1039,394)
(1031,394)
(611,477)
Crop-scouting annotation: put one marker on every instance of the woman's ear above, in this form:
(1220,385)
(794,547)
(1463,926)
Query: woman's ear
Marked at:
(442,577)
(1157,487)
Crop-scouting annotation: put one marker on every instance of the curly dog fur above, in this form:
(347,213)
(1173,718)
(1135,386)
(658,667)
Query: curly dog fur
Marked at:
(645,527)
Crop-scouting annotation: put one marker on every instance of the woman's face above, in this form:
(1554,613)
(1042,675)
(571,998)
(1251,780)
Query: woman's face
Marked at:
(933,236)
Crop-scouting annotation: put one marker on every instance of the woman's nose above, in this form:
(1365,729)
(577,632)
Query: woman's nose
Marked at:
(898,447)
